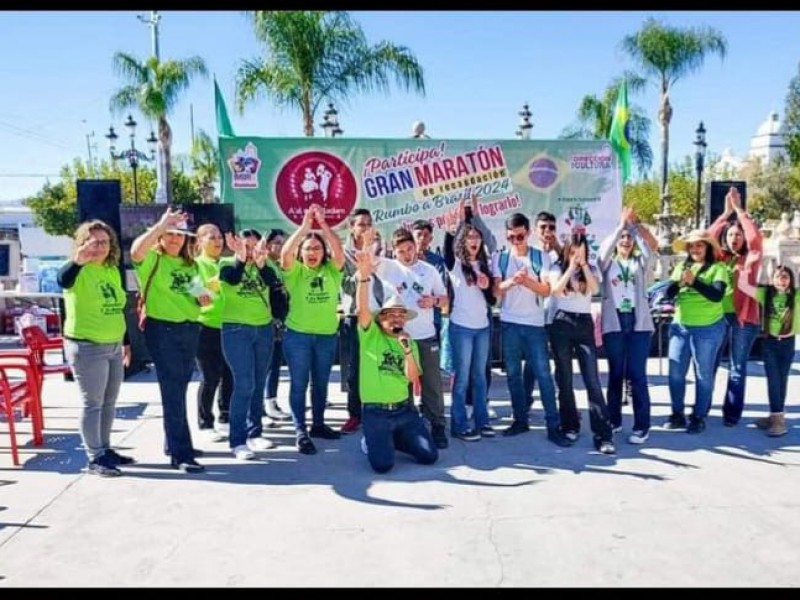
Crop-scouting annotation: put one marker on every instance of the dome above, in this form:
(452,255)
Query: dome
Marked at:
(772,126)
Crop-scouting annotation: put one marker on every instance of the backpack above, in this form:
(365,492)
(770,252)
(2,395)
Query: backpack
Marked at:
(534,255)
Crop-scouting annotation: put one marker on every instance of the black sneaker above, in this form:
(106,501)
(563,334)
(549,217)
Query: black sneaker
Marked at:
(696,425)
(103,467)
(195,451)
(730,422)
(470,435)
(188,465)
(119,459)
(439,437)
(324,432)
(676,421)
(488,431)
(305,445)
(558,438)
(516,428)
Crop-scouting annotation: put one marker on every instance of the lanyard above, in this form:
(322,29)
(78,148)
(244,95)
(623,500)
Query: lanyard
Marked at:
(625,271)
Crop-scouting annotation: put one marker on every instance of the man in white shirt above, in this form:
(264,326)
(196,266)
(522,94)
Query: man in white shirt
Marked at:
(521,280)
(421,288)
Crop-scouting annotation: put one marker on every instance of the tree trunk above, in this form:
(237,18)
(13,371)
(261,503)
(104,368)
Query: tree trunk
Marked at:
(308,116)
(664,118)
(165,141)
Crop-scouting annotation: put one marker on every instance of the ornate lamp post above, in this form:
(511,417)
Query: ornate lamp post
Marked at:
(330,122)
(524,130)
(699,163)
(132,154)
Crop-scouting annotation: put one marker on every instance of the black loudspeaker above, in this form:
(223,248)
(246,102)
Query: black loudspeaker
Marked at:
(715,198)
(100,199)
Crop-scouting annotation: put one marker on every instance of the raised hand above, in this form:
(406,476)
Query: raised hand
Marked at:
(87,252)
(626,216)
(308,217)
(365,263)
(474,200)
(735,199)
(172,218)
(260,252)
(319,214)
(237,246)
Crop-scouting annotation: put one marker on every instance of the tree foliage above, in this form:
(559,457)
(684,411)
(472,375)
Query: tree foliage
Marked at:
(791,119)
(645,195)
(317,55)
(772,189)
(55,206)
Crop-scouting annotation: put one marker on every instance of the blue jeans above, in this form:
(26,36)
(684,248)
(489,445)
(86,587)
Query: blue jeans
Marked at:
(247,350)
(574,332)
(274,370)
(627,352)
(778,357)
(742,338)
(309,356)
(173,347)
(702,344)
(528,342)
(388,430)
(470,349)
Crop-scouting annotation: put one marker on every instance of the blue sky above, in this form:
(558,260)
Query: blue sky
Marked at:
(479,69)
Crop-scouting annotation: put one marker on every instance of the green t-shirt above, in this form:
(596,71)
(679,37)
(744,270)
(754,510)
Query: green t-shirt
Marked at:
(313,298)
(169,297)
(381,371)
(247,302)
(211,314)
(95,305)
(730,284)
(780,307)
(692,308)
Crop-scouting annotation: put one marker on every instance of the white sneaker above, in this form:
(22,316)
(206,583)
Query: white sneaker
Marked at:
(243,453)
(274,411)
(364,445)
(638,437)
(260,443)
(212,435)
(492,413)
(223,429)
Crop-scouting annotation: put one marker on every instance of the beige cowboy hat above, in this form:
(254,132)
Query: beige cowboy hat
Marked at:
(696,235)
(182,229)
(395,301)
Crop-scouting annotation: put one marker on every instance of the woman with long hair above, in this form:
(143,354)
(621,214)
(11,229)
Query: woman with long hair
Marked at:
(575,281)
(313,277)
(780,325)
(275,241)
(95,338)
(247,335)
(215,376)
(626,322)
(170,280)
(698,328)
(739,240)
(469,331)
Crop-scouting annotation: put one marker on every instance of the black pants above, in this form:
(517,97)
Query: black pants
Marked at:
(213,369)
(575,332)
(350,345)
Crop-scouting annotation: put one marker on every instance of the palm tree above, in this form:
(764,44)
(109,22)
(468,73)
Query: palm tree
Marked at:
(314,55)
(205,164)
(595,116)
(154,87)
(669,53)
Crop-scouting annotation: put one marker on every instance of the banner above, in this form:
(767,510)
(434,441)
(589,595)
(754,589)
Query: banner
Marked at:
(271,181)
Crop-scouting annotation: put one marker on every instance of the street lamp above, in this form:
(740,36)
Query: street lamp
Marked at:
(699,160)
(132,154)
(525,125)
(330,122)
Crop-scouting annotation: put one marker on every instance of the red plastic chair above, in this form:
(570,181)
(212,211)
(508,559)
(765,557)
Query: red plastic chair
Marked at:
(21,394)
(39,343)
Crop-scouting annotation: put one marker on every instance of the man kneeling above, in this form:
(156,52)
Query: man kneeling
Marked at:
(389,361)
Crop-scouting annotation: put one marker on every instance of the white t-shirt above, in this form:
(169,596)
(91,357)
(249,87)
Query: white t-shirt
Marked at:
(622,275)
(572,301)
(469,304)
(521,305)
(349,302)
(411,283)
(549,305)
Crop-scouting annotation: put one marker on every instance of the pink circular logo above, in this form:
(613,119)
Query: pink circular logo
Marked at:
(316,178)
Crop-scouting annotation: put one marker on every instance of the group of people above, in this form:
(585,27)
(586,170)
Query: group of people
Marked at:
(226,315)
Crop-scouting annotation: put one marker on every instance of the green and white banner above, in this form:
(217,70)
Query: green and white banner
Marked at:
(271,181)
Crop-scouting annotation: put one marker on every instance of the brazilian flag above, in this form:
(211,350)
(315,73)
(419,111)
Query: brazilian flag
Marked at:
(619,136)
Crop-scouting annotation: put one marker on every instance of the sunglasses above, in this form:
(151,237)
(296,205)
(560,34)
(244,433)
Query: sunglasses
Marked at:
(516,237)
(547,227)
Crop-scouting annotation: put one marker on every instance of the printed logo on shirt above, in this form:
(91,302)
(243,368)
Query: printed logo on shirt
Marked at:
(250,286)
(181,280)
(391,363)
(112,304)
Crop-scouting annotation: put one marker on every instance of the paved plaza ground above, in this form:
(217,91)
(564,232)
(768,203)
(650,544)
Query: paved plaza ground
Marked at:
(716,509)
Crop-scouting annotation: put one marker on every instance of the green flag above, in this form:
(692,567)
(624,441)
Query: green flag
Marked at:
(223,122)
(619,136)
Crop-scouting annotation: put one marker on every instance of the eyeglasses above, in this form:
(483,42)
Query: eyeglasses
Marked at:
(97,242)
(214,237)
(516,237)
(547,227)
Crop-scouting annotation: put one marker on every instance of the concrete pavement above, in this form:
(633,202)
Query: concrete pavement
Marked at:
(715,509)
